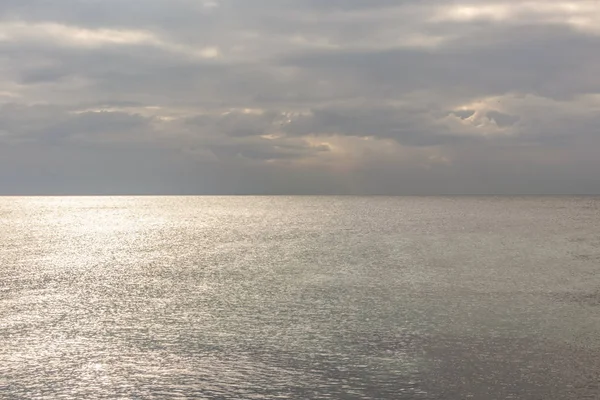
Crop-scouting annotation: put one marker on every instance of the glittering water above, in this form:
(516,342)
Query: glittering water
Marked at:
(299,298)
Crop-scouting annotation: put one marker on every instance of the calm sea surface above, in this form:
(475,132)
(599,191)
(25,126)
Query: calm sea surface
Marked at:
(299,298)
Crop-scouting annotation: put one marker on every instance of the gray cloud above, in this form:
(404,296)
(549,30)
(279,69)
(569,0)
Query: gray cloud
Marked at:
(545,61)
(43,123)
(299,96)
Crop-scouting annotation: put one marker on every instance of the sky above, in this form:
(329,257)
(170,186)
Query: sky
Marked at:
(391,97)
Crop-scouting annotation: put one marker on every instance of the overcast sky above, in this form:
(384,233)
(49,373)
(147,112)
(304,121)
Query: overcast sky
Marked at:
(299,97)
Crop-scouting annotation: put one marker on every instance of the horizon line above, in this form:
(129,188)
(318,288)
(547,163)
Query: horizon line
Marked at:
(300,195)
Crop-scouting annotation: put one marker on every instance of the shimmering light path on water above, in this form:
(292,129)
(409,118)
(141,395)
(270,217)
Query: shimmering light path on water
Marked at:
(299,298)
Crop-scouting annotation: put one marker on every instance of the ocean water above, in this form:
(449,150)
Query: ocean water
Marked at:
(299,298)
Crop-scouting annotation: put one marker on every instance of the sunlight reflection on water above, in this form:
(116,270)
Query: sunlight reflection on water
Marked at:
(354,298)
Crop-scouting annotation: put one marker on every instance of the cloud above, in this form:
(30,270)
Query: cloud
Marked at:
(47,123)
(582,15)
(349,96)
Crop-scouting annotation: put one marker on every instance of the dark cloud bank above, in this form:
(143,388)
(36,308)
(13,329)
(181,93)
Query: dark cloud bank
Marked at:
(299,97)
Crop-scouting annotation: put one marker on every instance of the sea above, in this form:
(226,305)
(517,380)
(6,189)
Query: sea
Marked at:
(300,298)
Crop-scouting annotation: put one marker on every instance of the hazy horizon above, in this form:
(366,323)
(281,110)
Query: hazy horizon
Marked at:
(290,97)
(473,195)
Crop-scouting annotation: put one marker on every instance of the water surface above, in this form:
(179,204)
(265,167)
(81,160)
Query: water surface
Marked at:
(299,297)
